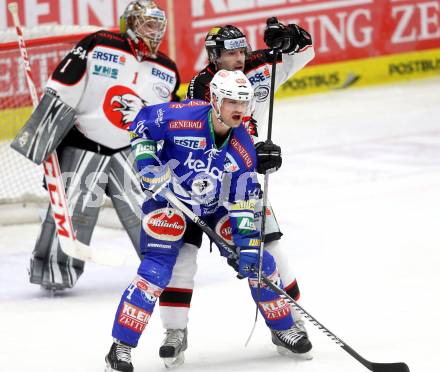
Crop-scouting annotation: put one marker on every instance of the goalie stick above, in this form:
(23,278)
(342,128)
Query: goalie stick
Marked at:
(55,185)
(372,366)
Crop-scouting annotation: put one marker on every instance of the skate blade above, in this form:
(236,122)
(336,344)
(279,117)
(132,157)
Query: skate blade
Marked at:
(174,362)
(108,368)
(290,354)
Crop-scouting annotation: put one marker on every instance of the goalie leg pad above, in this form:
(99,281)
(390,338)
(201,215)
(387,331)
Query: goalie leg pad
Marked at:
(127,196)
(50,267)
(45,129)
(85,178)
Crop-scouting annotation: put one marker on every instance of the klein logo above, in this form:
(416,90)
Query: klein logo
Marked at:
(106,71)
(276,309)
(133,317)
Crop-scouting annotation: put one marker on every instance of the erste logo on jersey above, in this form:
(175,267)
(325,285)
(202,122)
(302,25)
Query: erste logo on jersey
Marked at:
(121,105)
(109,57)
(164,224)
(259,76)
(194,143)
(162,75)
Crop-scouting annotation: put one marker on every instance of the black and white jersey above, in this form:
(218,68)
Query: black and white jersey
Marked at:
(258,70)
(102,79)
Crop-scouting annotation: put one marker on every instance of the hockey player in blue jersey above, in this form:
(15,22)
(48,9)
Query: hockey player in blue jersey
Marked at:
(208,160)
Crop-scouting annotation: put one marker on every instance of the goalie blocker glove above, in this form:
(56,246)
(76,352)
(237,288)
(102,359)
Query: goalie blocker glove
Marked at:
(268,157)
(287,39)
(48,125)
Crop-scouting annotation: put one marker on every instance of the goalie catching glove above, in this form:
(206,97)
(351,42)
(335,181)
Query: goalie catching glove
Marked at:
(268,157)
(287,39)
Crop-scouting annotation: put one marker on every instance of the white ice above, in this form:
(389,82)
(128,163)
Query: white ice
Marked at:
(358,198)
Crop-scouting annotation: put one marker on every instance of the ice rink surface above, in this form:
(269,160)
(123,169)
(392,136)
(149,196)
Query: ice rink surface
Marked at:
(358,199)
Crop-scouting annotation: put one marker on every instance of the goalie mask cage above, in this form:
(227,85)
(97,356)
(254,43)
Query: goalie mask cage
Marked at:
(21,181)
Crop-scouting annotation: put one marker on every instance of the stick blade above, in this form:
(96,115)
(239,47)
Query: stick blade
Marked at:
(83,252)
(389,367)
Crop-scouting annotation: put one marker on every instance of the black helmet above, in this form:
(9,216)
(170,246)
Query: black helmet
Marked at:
(226,37)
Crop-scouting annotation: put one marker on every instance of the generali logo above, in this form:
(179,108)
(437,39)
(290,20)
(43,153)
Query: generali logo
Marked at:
(186,124)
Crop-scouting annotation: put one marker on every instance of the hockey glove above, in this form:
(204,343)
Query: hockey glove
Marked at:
(268,157)
(288,39)
(248,261)
(155,179)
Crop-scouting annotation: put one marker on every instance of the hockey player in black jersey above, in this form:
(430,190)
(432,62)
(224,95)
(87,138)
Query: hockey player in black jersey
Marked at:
(228,49)
(106,78)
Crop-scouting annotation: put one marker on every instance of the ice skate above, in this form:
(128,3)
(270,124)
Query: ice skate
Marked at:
(292,342)
(118,358)
(299,320)
(173,346)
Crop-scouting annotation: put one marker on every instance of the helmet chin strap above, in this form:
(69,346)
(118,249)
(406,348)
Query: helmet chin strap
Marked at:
(218,114)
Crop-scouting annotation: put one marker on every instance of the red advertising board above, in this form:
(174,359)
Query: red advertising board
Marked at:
(342,29)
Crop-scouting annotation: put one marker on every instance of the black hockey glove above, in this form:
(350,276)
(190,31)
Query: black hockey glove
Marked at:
(268,157)
(288,39)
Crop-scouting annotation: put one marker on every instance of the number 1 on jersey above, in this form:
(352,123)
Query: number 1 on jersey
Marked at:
(135,78)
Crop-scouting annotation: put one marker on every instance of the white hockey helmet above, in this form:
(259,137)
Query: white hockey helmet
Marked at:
(233,85)
(145,23)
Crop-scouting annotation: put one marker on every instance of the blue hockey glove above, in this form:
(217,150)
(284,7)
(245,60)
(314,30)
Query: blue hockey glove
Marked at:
(155,179)
(247,261)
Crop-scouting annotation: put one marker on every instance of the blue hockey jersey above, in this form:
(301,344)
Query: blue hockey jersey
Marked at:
(205,176)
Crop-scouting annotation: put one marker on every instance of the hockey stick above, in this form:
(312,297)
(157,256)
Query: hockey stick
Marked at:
(55,185)
(232,250)
(265,189)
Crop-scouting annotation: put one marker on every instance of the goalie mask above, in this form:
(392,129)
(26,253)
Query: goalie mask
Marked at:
(224,38)
(233,85)
(145,25)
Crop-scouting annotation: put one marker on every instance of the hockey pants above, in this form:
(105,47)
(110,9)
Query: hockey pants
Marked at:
(162,242)
(175,300)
